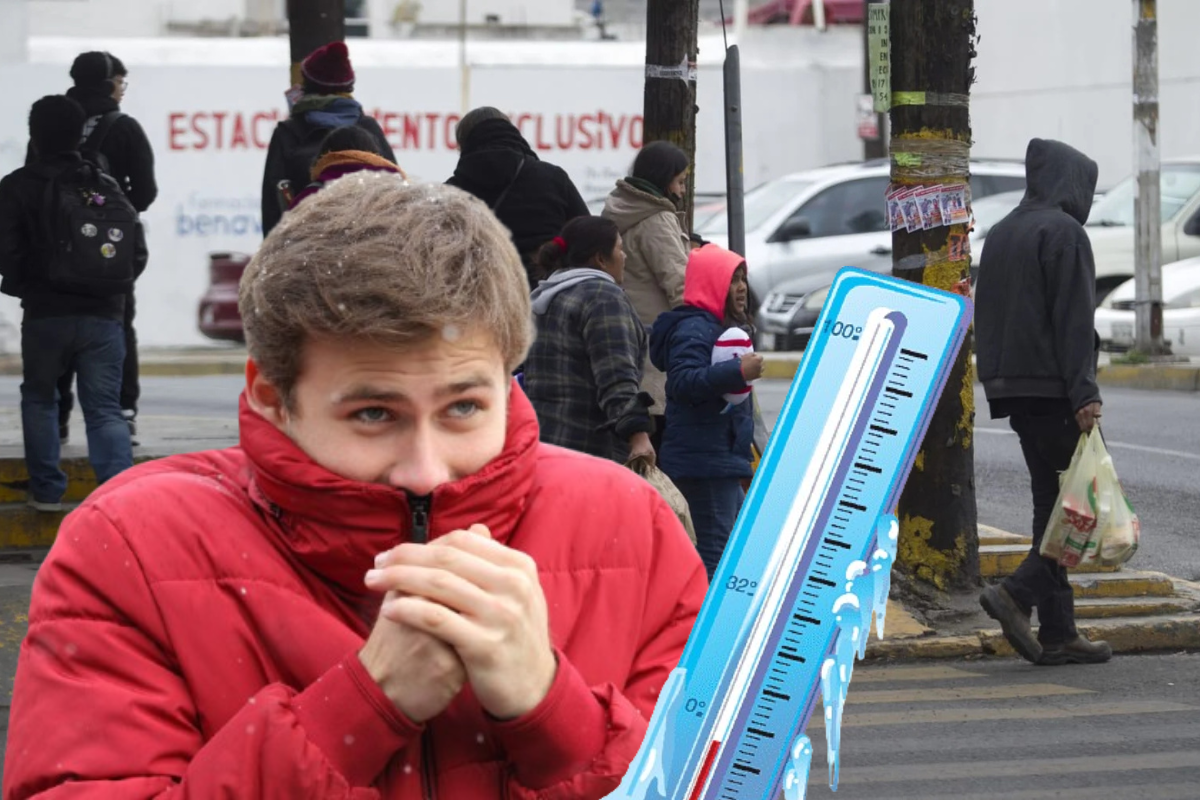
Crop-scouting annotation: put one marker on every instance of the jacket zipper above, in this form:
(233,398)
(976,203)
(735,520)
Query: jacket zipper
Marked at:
(428,776)
(420,507)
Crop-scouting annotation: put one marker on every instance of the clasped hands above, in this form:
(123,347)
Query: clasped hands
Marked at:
(461,609)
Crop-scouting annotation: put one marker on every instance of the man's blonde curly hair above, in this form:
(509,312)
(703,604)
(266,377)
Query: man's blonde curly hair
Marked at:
(369,257)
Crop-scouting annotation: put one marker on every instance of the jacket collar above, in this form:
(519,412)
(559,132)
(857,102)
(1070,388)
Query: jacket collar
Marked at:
(336,526)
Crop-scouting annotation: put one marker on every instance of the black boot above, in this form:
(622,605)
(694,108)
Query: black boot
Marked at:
(1000,606)
(1077,651)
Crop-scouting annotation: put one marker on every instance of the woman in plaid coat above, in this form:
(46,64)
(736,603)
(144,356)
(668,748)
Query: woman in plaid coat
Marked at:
(584,369)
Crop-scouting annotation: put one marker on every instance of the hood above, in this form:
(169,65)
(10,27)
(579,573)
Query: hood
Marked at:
(1059,176)
(487,170)
(664,326)
(628,205)
(324,111)
(336,527)
(562,280)
(709,273)
(94,101)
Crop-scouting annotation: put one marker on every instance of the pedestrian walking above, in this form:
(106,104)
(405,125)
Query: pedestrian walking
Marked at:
(115,141)
(534,199)
(706,448)
(391,588)
(70,249)
(326,102)
(645,207)
(585,366)
(1037,354)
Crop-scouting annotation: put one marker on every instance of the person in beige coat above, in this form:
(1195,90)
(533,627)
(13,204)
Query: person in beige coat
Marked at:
(645,207)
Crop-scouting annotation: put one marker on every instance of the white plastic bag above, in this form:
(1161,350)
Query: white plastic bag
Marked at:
(1069,533)
(1118,530)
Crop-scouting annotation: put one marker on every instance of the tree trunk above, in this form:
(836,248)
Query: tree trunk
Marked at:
(670,99)
(932,45)
(313,24)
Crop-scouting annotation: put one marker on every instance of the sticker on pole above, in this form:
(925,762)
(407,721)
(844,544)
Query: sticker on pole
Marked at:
(809,560)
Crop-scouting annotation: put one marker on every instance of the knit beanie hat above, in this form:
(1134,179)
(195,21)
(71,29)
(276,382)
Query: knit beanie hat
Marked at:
(92,70)
(327,69)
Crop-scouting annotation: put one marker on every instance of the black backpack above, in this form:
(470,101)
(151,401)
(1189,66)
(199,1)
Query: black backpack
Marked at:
(91,232)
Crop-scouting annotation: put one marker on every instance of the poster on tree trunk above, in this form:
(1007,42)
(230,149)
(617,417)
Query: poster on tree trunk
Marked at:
(879,40)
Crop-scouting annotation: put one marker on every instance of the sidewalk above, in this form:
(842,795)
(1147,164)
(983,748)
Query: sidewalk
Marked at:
(1159,377)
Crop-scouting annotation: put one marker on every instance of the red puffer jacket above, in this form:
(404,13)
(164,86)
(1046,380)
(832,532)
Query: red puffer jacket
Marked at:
(195,630)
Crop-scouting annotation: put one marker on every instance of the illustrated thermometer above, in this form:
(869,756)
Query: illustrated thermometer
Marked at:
(809,560)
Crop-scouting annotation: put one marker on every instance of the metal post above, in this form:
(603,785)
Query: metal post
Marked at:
(1147,213)
(741,18)
(735,189)
(14,45)
(463,69)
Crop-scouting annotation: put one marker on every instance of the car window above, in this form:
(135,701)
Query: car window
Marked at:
(1178,184)
(857,206)
(759,205)
(988,185)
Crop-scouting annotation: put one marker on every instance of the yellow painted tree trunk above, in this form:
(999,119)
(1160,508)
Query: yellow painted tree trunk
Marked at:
(932,46)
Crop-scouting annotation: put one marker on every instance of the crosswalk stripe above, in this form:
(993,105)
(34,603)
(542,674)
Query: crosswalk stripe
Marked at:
(1160,791)
(889,674)
(1014,768)
(943,716)
(1005,692)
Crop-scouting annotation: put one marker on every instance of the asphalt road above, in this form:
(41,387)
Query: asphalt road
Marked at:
(1154,438)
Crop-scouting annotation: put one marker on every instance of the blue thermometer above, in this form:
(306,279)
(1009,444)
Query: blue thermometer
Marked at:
(809,560)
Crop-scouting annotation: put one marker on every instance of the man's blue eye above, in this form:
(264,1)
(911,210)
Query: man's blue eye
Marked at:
(464,409)
(372,415)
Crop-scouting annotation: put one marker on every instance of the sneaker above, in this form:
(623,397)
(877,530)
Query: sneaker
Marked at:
(1077,651)
(1000,606)
(64,433)
(45,508)
(130,417)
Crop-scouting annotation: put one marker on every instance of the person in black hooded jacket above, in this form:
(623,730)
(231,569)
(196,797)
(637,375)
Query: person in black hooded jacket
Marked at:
(1037,347)
(327,103)
(126,154)
(533,199)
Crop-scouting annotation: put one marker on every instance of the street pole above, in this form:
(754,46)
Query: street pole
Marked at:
(735,188)
(1147,212)
(932,46)
(463,69)
(670,92)
(313,24)
(872,148)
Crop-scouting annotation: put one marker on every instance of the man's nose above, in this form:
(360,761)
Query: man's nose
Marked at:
(421,466)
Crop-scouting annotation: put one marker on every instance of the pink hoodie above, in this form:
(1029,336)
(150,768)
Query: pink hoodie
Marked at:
(709,274)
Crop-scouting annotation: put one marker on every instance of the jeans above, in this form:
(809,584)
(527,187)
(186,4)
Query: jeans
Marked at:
(95,349)
(130,386)
(714,504)
(1048,443)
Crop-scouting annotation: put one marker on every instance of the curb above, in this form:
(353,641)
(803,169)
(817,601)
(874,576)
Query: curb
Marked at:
(188,364)
(1128,635)
(1161,377)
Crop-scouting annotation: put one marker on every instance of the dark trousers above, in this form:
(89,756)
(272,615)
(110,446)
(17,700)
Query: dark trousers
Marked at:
(1048,443)
(714,504)
(131,388)
(95,348)
(660,425)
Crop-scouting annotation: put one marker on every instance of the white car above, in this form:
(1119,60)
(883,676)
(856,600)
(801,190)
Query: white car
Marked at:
(1116,318)
(825,219)
(1111,223)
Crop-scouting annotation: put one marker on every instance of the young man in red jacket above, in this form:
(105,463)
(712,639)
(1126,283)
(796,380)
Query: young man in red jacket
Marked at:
(391,589)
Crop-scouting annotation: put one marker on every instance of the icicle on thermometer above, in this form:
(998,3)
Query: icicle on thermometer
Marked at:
(810,557)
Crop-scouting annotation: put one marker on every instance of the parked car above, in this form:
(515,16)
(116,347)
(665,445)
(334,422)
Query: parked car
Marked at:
(1116,316)
(218,312)
(802,228)
(1111,224)
(829,218)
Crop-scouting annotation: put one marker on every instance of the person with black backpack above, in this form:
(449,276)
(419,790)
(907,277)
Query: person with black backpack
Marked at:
(116,142)
(327,102)
(71,246)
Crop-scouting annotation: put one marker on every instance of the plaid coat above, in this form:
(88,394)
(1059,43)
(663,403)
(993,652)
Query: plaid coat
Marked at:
(584,369)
